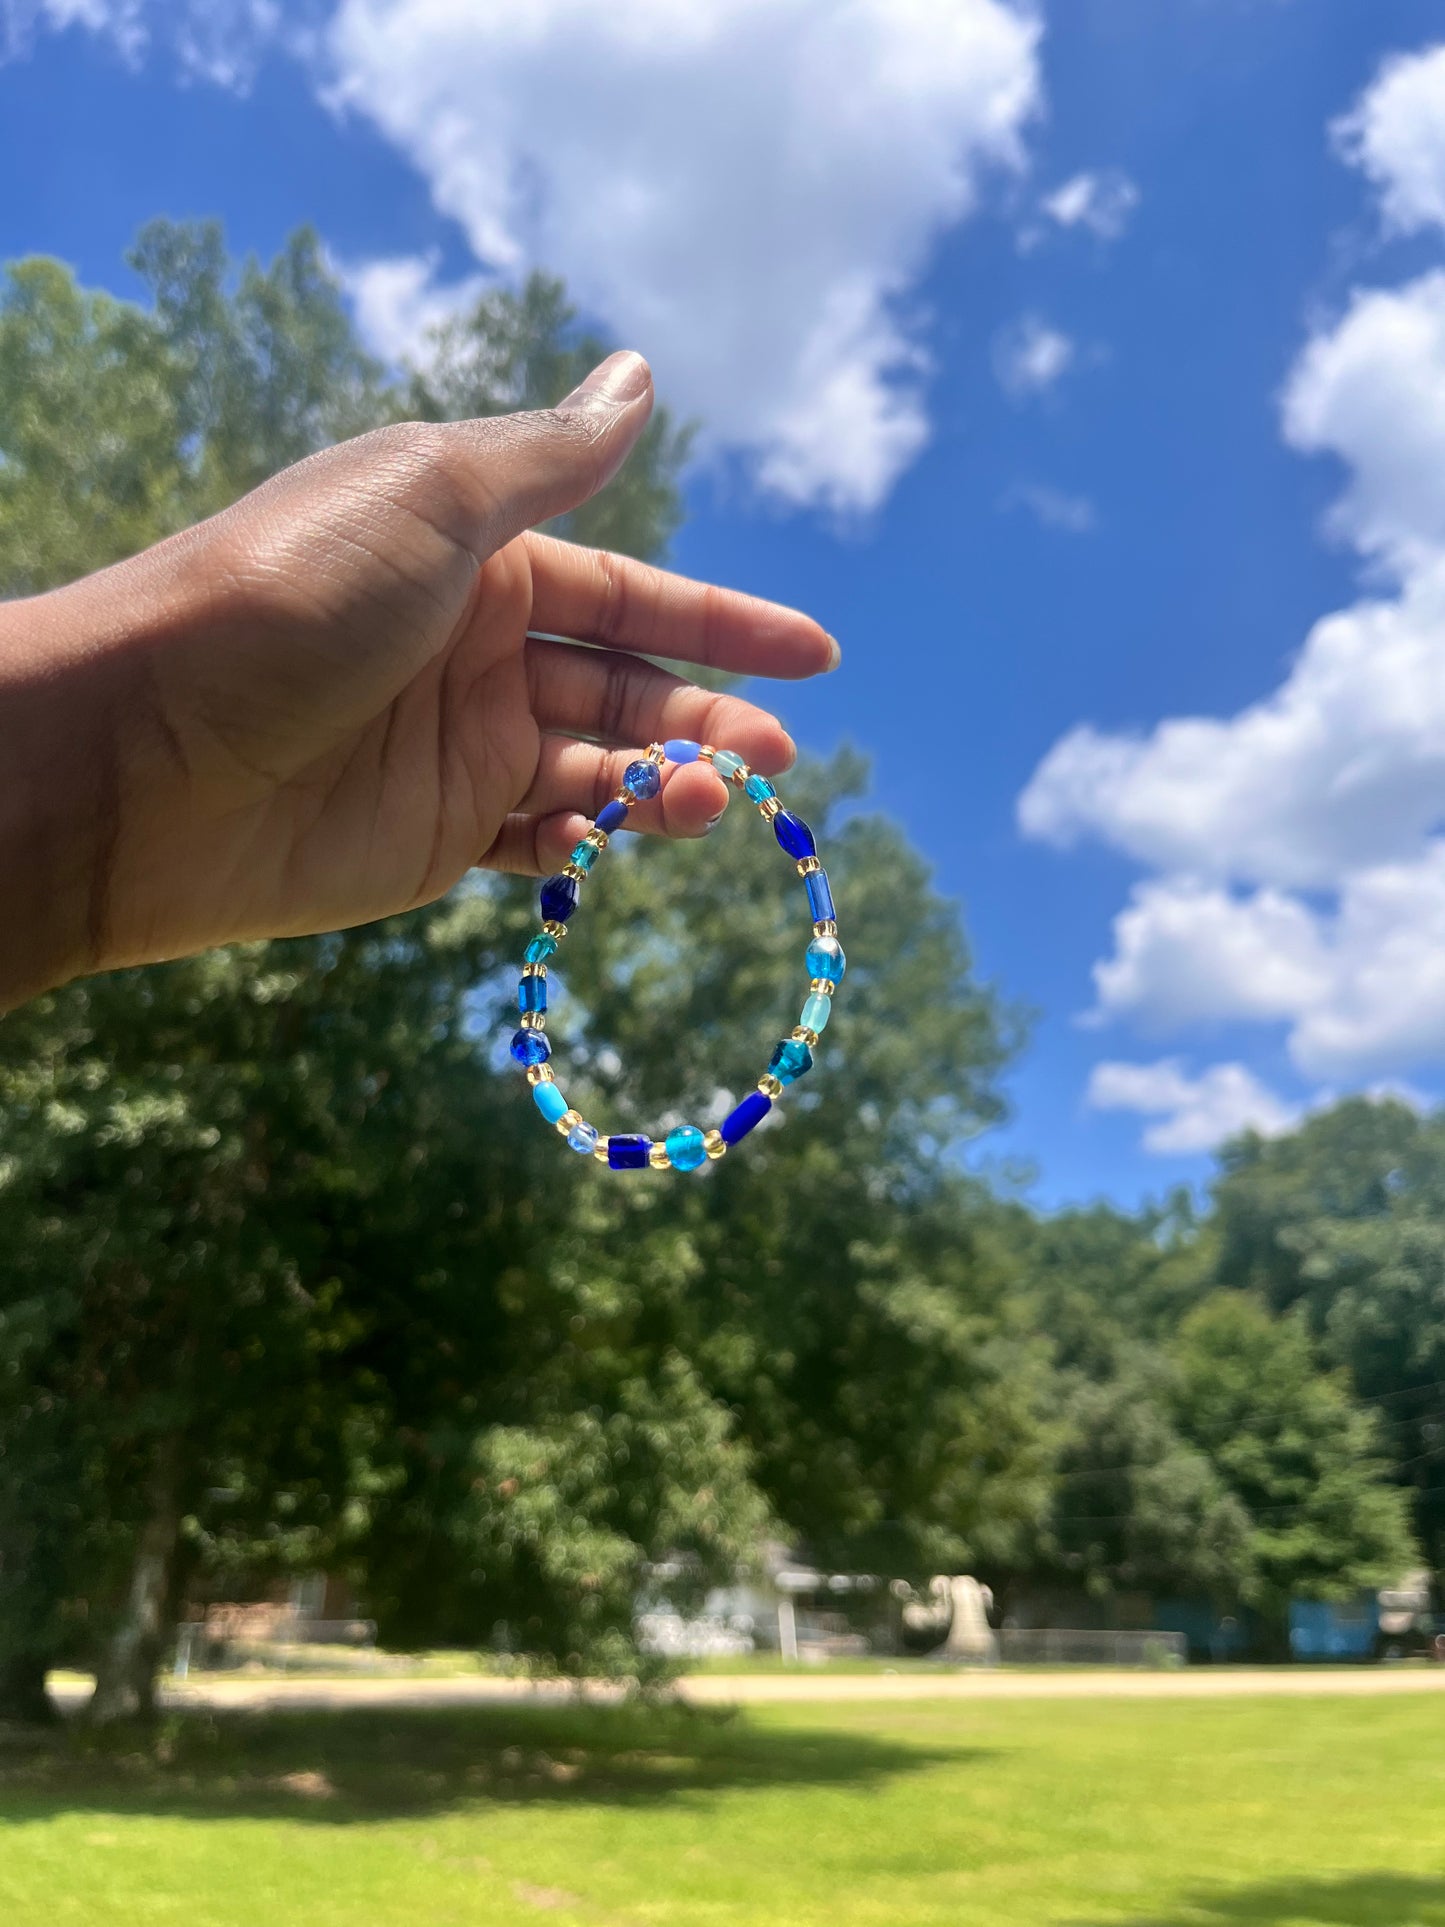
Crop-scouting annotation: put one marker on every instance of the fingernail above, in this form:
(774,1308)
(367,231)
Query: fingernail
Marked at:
(712,823)
(835,654)
(619,379)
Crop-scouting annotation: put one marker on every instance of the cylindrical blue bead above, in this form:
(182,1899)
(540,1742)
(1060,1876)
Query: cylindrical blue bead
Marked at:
(726,763)
(746,1117)
(820,897)
(530,1047)
(685,1148)
(559,898)
(612,816)
(628,1153)
(681,749)
(540,948)
(790,1060)
(585,855)
(642,778)
(583,1137)
(816,1012)
(532,994)
(549,1101)
(825,959)
(794,835)
(758,789)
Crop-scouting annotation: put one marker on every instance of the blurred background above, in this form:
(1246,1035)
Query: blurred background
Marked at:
(1032,1455)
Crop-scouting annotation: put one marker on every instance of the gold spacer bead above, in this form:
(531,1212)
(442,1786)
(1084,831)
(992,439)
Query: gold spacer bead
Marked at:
(533,1020)
(769,807)
(825,927)
(740,776)
(714,1144)
(769,1085)
(655,753)
(657,1157)
(599,1150)
(823,986)
(705,752)
(557,930)
(808,866)
(599,839)
(534,970)
(575,871)
(624,796)
(541,1074)
(567,1121)
(805,1036)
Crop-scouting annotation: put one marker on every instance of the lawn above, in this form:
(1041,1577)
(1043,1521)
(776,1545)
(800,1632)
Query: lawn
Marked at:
(1299,1813)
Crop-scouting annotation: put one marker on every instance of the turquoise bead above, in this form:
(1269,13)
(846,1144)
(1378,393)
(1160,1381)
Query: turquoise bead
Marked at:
(583,1137)
(549,1101)
(816,1012)
(790,1060)
(758,788)
(726,763)
(585,855)
(540,948)
(685,1148)
(532,994)
(825,959)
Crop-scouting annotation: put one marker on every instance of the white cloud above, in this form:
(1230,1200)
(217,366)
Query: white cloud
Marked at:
(1396,134)
(1029,356)
(399,303)
(1102,201)
(1195,1113)
(744,189)
(1054,508)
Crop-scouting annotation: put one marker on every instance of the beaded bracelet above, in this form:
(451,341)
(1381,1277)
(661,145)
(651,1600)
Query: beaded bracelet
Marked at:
(685,1147)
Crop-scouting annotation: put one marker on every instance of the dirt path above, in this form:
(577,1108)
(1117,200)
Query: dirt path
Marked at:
(714,1689)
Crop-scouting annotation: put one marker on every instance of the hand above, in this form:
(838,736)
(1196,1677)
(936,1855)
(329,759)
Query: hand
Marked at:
(322,706)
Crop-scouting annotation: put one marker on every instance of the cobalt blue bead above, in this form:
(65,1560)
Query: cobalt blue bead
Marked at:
(532,994)
(559,898)
(681,749)
(612,817)
(746,1117)
(628,1153)
(685,1148)
(825,959)
(820,897)
(794,835)
(549,1101)
(790,1060)
(642,778)
(530,1047)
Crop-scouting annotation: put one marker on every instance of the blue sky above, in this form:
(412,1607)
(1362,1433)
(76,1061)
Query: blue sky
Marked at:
(1071,364)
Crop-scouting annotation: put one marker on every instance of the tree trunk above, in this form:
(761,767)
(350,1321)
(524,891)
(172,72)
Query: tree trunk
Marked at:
(22,1690)
(126,1673)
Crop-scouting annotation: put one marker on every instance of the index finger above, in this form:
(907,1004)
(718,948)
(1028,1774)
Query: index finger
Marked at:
(592,595)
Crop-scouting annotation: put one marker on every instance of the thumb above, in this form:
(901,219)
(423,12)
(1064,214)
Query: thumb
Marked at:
(541,463)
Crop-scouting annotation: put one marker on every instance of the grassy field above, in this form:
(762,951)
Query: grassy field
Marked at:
(1311,1813)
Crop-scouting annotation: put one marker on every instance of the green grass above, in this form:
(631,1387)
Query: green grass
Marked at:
(1218,1813)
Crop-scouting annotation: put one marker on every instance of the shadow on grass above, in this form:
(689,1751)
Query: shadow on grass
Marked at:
(347,1765)
(1346,1900)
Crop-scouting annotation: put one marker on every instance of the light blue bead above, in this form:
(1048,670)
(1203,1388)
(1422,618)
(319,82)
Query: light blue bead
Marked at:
(583,1137)
(685,1148)
(758,788)
(825,959)
(540,948)
(585,855)
(726,764)
(816,1012)
(549,1101)
(681,749)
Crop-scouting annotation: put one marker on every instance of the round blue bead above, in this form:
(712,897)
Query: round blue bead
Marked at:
(790,1060)
(559,898)
(727,763)
(681,749)
(758,789)
(794,835)
(549,1101)
(825,959)
(530,1047)
(642,778)
(746,1117)
(583,1137)
(685,1148)
(612,816)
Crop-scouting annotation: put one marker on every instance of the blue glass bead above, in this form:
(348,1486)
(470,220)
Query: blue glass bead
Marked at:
(820,897)
(794,835)
(628,1153)
(642,778)
(583,1137)
(726,763)
(532,994)
(549,1101)
(825,959)
(681,749)
(612,816)
(540,948)
(746,1117)
(816,1012)
(790,1060)
(585,855)
(758,788)
(685,1148)
(559,898)
(530,1047)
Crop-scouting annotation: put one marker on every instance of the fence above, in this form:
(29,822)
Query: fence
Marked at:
(1064,1646)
